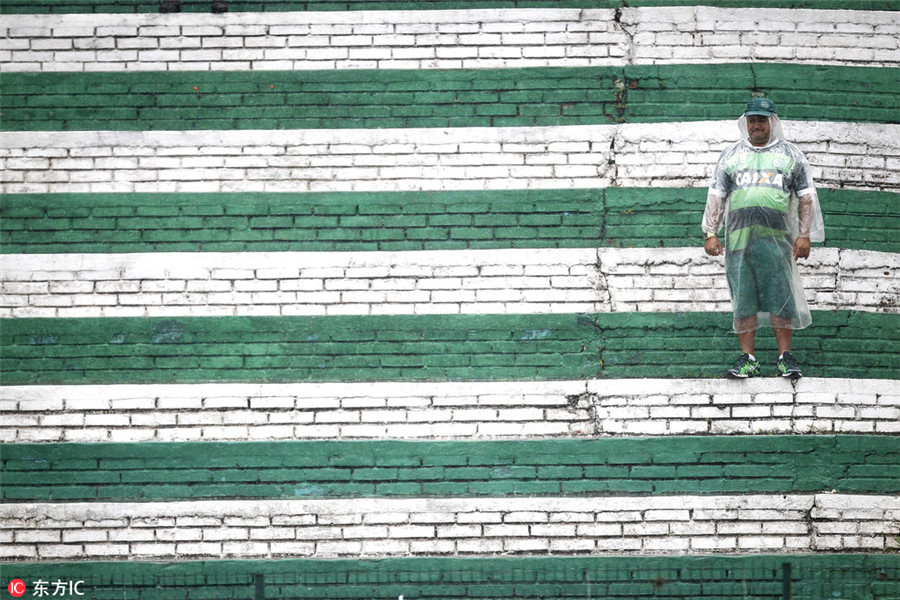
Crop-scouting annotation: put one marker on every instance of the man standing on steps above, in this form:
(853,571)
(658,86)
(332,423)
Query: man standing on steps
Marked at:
(763,192)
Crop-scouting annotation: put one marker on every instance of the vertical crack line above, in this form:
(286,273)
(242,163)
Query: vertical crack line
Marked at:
(619,24)
(604,213)
(838,281)
(755,92)
(613,168)
(621,95)
(812,528)
(600,283)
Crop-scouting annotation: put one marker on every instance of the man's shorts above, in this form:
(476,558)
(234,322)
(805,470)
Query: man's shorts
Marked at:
(760,278)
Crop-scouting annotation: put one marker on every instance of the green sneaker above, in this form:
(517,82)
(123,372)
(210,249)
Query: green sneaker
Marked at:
(788,367)
(743,368)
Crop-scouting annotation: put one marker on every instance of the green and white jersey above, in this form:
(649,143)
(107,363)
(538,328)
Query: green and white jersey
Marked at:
(758,184)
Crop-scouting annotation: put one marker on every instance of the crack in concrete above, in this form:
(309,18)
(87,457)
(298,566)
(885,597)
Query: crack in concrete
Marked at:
(612,167)
(620,25)
(601,284)
(586,401)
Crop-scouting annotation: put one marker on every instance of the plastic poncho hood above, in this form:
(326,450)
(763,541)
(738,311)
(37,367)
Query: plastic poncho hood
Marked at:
(776,134)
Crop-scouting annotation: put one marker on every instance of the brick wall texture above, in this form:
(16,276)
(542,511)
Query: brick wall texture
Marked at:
(391,299)
(438,410)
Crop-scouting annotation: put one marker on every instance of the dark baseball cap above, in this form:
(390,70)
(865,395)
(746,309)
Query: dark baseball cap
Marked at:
(760,106)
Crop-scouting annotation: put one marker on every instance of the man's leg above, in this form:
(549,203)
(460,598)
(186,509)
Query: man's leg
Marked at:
(744,300)
(783,333)
(786,365)
(746,365)
(747,337)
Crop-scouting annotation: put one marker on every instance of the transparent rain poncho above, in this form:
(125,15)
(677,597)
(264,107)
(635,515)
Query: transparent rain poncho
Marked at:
(765,199)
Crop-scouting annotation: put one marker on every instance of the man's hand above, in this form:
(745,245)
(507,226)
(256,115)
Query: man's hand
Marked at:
(713,246)
(801,248)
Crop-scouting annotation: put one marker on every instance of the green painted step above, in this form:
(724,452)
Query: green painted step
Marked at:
(399,221)
(159,471)
(540,96)
(755,577)
(425,347)
(153,6)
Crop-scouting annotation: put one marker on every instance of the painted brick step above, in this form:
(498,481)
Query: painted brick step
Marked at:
(204,6)
(447,39)
(396,527)
(391,221)
(421,347)
(447,410)
(359,99)
(440,578)
(361,469)
(864,156)
(519,281)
